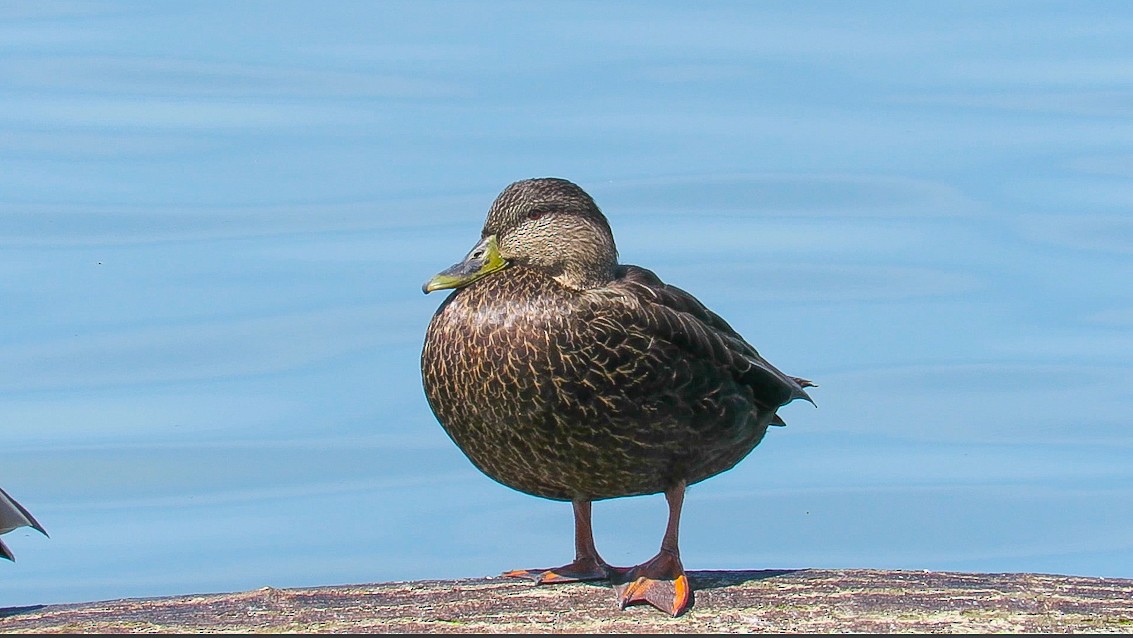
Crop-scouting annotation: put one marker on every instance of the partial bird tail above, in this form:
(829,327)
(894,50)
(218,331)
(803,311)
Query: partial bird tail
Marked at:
(13,516)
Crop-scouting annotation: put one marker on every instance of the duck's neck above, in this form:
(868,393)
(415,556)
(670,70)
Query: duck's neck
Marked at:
(585,278)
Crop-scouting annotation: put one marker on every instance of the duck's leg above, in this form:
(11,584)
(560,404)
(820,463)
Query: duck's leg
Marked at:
(587,565)
(661,580)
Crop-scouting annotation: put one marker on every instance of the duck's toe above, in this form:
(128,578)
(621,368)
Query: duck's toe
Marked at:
(582,569)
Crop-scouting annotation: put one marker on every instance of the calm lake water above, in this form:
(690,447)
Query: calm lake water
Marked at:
(215,220)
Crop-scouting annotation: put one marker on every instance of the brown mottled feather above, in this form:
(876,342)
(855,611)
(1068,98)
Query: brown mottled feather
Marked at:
(710,334)
(593,391)
(596,395)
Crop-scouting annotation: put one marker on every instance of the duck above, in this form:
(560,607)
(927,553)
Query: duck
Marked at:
(14,516)
(566,375)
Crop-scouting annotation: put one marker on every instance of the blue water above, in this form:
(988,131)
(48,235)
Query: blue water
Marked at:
(215,219)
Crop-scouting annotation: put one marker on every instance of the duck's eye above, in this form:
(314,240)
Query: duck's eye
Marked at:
(535,214)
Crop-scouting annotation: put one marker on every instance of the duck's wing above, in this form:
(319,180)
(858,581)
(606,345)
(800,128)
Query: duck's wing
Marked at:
(681,318)
(12,516)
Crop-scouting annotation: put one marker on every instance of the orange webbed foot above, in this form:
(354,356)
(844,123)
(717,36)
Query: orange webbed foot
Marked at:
(660,581)
(583,569)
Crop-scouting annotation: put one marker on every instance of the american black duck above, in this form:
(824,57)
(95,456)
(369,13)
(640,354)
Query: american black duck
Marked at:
(563,374)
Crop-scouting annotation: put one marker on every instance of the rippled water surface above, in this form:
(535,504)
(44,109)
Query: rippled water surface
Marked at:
(215,219)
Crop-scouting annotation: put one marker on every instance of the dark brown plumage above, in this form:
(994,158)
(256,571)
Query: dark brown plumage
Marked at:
(566,375)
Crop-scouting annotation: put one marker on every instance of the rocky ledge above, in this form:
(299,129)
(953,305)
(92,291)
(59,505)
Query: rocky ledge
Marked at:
(775,601)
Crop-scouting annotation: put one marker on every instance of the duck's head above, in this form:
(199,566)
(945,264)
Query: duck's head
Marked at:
(549,224)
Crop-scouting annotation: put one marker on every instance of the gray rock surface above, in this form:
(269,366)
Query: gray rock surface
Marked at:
(777,601)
